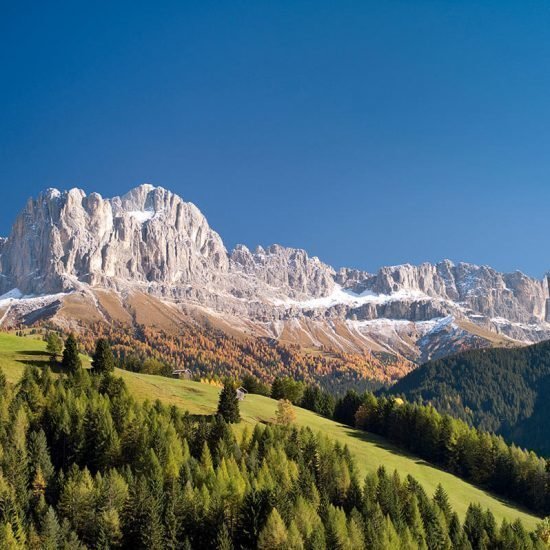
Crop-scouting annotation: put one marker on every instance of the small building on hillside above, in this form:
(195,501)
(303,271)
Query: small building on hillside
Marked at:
(184,374)
(241,393)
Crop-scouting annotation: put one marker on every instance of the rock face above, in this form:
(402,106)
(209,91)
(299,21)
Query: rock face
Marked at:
(153,241)
(287,269)
(148,235)
(476,289)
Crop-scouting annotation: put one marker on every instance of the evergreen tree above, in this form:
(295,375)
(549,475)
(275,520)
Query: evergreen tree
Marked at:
(228,405)
(103,360)
(50,530)
(39,456)
(274,535)
(8,540)
(153,535)
(442,500)
(294,540)
(71,362)
(254,511)
(474,526)
(101,442)
(54,345)
(171,523)
(543,531)
(223,540)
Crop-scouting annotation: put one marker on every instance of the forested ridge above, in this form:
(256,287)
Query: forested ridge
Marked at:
(83,464)
(499,390)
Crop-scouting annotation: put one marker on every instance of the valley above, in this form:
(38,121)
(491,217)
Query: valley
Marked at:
(369,450)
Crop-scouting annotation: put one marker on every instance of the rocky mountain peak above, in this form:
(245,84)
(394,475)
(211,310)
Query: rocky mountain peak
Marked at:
(151,240)
(147,235)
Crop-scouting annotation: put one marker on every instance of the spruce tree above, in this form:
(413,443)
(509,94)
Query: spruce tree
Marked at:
(103,360)
(274,534)
(223,539)
(228,405)
(71,362)
(442,500)
(54,345)
(50,531)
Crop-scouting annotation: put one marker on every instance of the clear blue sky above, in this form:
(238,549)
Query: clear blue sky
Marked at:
(369,133)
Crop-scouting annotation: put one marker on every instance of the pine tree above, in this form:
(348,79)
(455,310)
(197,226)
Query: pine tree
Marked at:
(77,503)
(103,360)
(171,523)
(8,541)
(442,500)
(254,511)
(413,519)
(109,528)
(274,535)
(223,540)
(54,345)
(543,531)
(71,362)
(50,531)
(474,525)
(101,442)
(295,540)
(69,539)
(228,405)
(390,537)
(153,535)
(39,456)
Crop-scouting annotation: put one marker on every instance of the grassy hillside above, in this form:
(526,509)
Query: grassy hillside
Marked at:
(370,451)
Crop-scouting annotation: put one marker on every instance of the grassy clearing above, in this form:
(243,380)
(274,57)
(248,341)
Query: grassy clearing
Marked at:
(369,450)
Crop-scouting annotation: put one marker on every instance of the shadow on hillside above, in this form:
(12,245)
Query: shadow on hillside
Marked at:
(27,358)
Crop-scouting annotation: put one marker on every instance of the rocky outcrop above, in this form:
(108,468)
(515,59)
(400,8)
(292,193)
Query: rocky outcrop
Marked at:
(476,289)
(153,241)
(288,269)
(148,235)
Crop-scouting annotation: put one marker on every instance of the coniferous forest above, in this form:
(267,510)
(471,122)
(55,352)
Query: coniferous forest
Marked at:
(498,390)
(84,464)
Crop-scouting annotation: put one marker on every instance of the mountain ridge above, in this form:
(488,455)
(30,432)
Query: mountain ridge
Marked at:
(70,245)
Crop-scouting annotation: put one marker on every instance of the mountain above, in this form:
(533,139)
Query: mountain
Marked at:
(500,390)
(151,258)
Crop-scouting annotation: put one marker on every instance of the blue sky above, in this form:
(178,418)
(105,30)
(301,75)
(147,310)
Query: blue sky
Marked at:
(369,133)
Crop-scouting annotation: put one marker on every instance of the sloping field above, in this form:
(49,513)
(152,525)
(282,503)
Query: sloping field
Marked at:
(370,451)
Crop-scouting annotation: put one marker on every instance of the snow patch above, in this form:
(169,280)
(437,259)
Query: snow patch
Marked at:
(142,215)
(425,327)
(341,296)
(13,294)
(16,298)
